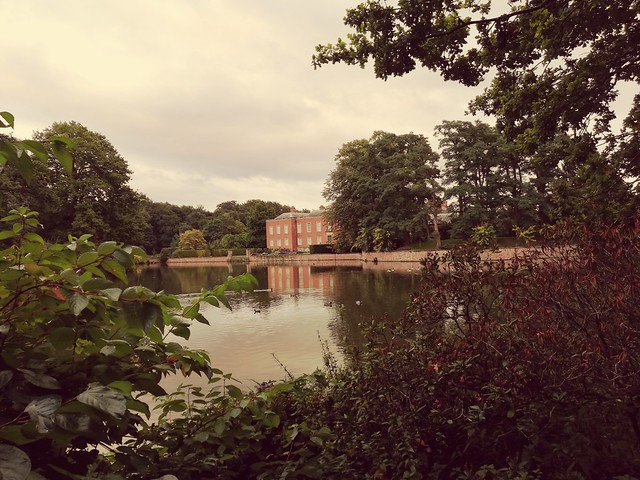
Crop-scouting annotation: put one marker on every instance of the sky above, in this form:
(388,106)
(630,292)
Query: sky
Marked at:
(209,100)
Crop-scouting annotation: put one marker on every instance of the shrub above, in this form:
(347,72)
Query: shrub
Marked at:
(192,240)
(321,248)
(527,368)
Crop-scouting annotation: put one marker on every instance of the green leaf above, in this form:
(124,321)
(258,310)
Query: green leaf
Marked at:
(87,258)
(14,463)
(62,338)
(33,237)
(112,294)
(77,303)
(36,148)
(8,120)
(182,332)
(105,399)
(61,152)
(116,269)
(96,284)
(107,248)
(4,234)
(122,386)
(25,167)
(234,392)
(271,419)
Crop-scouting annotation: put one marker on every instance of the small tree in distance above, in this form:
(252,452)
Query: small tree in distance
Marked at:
(192,240)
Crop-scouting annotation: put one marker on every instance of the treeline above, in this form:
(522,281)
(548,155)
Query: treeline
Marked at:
(387,191)
(97,199)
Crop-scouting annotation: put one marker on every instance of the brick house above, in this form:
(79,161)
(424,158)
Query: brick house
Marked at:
(296,231)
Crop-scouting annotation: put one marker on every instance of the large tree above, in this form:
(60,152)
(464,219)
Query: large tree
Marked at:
(557,63)
(381,185)
(486,177)
(96,198)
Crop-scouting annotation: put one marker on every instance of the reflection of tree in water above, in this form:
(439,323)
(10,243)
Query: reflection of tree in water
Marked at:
(191,279)
(365,296)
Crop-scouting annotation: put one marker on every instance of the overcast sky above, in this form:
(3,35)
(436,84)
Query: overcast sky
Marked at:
(209,100)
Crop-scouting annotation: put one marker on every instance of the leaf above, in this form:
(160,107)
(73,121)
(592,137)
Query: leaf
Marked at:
(61,152)
(271,419)
(112,294)
(122,386)
(36,148)
(77,303)
(116,269)
(62,338)
(73,422)
(33,237)
(7,120)
(41,410)
(87,258)
(107,248)
(5,377)
(234,392)
(40,379)
(14,463)
(4,234)
(105,399)
(95,284)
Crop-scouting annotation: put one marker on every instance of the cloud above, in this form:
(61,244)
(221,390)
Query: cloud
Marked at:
(209,101)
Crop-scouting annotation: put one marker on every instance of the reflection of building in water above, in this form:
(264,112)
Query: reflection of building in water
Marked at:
(283,278)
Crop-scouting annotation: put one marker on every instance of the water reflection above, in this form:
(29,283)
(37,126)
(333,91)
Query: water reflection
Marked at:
(297,304)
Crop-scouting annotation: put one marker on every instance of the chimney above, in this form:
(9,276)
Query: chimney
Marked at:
(293,210)
(322,208)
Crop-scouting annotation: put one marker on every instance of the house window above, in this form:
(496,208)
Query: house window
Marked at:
(271,230)
(318,226)
(319,240)
(279,242)
(278,229)
(308,227)
(299,227)
(286,242)
(329,228)
(308,240)
(329,238)
(286,229)
(299,241)
(271,243)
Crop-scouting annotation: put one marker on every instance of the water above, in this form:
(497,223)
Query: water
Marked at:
(282,327)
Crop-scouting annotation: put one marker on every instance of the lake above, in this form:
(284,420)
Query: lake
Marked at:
(297,307)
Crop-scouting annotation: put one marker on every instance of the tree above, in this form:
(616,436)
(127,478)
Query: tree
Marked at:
(257,214)
(192,240)
(486,177)
(557,63)
(381,183)
(96,198)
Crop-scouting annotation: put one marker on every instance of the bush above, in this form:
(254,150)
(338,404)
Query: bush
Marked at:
(80,352)
(521,369)
(321,248)
(192,239)
(179,253)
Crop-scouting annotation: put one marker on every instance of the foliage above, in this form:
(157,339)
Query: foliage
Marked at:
(78,350)
(525,236)
(190,253)
(225,433)
(484,236)
(381,183)
(526,368)
(192,240)
(557,63)
(96,198)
